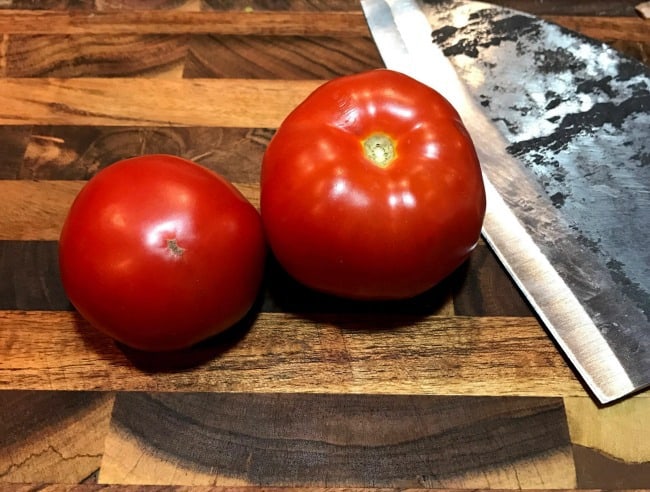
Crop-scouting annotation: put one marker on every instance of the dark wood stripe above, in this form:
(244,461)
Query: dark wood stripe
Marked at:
(287,5)
(588,7)
(597,470)
(243,55)
(281,293)
(30,274)
(279,23)
(247,55)
(61,487)
(78,152)
(242,5)
(337,440)
(483,288)
(286,57)
(623,28)
(13,144)
(166,55)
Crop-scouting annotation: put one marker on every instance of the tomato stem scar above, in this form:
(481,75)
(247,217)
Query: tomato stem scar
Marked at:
(174,248)
(379,149)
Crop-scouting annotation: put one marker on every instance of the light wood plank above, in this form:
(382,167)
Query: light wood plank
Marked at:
(290,353)
(278,23)
(619,431)
(65,446)
(150,102)
(36,210)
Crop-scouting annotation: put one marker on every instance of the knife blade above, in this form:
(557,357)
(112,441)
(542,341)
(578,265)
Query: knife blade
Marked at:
(572,230)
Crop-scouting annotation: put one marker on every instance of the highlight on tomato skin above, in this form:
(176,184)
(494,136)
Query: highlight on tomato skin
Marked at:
(371,188)
(160,253)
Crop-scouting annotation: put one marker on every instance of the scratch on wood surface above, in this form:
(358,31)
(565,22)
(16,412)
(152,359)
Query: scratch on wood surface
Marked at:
(37,456)
(48,138)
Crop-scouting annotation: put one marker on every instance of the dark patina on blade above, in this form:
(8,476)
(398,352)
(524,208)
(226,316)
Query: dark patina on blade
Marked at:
(574,117)
(576,113)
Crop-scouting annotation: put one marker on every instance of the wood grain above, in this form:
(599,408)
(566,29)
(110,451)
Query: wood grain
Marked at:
(84,55)
(150,102)
(276,23)
(13,143)
(596,469)
(186,55)
(337,440)
(30,276)
(583,7)
(246,55)
(78,152)
(284,353)
(600,7)
(287,5)
(92,487)
(51,436)
(286,57)
(35,210)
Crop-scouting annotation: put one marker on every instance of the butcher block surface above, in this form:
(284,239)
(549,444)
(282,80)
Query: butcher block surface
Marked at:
(459,388)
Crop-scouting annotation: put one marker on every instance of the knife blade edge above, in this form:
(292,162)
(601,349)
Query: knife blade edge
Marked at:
(613,380)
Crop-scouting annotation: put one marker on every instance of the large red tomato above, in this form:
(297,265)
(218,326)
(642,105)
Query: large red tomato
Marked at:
(159,252)
(371,188)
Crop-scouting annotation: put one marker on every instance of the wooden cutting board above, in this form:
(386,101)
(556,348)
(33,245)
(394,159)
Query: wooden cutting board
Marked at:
(458,388)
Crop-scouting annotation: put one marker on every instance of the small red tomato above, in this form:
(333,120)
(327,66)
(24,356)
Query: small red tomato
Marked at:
(159,253)
(371,188)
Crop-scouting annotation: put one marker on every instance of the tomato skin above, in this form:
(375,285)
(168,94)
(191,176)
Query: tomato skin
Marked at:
(344,225)
(159,253)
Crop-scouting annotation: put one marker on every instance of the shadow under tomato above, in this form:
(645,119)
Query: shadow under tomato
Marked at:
(280,293)
(196,355)
(285,294)
(173,360)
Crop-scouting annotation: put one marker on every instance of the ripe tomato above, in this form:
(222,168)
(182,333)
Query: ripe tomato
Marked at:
(371,188)
(159,252)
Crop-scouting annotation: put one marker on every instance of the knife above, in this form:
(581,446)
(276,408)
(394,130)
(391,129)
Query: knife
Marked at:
(563,143)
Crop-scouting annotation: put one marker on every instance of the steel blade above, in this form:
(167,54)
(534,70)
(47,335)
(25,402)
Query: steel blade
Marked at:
(584,278)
